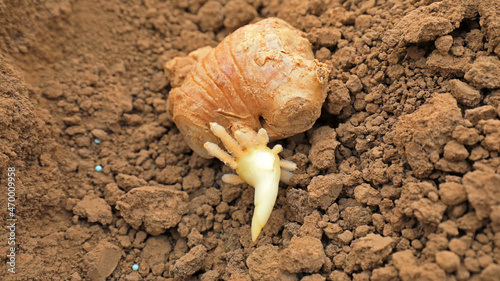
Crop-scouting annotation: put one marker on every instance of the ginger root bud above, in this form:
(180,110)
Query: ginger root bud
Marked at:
(255,164)
(263,75)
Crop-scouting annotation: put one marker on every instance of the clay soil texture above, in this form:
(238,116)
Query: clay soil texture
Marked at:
(399,179)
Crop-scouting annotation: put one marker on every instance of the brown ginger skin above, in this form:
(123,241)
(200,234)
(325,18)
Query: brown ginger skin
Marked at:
(263,75)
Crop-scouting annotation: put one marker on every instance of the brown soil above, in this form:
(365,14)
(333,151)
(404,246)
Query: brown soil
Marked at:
(399,179)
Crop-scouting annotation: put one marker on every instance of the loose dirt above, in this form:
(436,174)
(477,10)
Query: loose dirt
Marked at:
(399,179)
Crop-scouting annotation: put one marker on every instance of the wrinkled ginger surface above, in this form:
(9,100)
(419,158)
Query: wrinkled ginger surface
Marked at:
(263,75)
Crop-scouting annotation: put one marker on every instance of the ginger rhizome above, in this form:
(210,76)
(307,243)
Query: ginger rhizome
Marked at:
(262,76)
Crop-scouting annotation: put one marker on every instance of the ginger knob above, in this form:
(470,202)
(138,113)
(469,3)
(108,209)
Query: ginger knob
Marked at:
(260,83)
(263,75)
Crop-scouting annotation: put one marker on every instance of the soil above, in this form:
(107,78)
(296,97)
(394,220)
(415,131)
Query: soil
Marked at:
(399,179)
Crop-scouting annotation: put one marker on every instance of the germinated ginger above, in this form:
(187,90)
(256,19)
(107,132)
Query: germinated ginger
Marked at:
(262,78)
(255,164)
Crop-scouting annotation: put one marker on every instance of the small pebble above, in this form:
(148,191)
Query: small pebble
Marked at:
(135,267)
(97,141)
(98,168)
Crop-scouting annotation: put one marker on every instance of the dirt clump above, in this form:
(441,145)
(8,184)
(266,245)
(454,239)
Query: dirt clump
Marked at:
(102,260)
(156,208)
(303,254)
(397,180)
(422,134)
